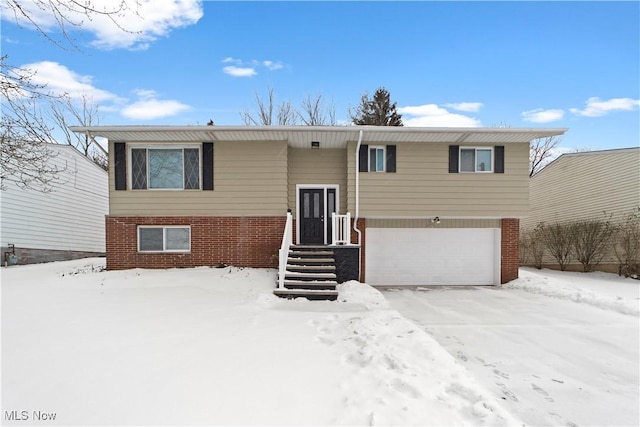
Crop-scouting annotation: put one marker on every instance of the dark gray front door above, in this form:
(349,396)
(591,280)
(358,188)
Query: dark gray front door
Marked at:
(312,216)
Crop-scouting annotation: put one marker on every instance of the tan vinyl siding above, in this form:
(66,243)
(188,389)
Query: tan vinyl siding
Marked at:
(586,186)
(317,166)
(426,223)
(250,179)
(423,186)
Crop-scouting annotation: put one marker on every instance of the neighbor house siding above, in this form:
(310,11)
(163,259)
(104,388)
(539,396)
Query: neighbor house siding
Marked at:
(68,218)
(423,187)
(250,179)
(586,186)
(317,166)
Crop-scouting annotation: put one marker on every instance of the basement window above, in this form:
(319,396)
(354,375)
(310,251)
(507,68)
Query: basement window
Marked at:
(153,238)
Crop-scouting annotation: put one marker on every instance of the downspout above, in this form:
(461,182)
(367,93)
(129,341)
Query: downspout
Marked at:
(357,213)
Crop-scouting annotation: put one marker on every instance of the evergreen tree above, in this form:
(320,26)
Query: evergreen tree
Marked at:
(378,111)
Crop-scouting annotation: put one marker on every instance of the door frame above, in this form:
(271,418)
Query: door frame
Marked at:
(324,188)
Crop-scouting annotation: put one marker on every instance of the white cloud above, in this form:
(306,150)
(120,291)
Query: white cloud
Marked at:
(272,65)
(432,115)
(234,71)
(242,68)
(596,108)
(59,80)
(469,107)
(542,116)
(138,23)
(148,107)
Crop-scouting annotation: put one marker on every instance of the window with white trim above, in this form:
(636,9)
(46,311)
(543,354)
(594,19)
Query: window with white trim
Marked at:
(476,159)
(155,238)
(377,159)
(165,168)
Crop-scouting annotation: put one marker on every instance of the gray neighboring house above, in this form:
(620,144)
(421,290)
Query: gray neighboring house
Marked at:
(66,223)
(590,185)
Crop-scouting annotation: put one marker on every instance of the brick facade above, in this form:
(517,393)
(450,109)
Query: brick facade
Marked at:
(238,241)
(510,235)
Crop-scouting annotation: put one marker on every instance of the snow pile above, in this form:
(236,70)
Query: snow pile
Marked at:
(602,290)
(208,346)
(360,293)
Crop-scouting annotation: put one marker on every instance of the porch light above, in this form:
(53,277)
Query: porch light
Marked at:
(315,144)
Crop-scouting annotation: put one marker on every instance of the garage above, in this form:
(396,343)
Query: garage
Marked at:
(432,256)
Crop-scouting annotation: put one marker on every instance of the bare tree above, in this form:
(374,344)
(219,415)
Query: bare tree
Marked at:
(314,113)
(25,134)
(67,14)
(286,114)
(83,112)
(541,153)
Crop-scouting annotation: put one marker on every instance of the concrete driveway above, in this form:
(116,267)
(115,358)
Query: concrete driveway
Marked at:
(551,361)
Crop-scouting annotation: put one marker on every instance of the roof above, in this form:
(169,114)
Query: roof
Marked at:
(583,154)
(328,136)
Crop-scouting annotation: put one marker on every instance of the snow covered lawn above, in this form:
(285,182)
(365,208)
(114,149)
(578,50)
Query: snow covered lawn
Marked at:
(214,346)
(557,348)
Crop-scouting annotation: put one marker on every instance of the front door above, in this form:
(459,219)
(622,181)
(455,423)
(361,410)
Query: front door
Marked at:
(312,216)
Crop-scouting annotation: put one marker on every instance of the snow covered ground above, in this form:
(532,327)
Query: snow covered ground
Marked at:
(558,348)
(214,346)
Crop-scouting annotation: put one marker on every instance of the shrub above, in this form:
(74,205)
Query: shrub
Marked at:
(531,248)
(626,246)
(590,241)
(557,240)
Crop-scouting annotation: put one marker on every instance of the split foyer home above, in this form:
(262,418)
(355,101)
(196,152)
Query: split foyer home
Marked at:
(388,205)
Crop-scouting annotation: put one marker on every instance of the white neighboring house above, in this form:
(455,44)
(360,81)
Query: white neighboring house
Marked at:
(66,223)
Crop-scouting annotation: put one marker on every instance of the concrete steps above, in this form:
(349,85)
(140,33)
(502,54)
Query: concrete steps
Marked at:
(310,273)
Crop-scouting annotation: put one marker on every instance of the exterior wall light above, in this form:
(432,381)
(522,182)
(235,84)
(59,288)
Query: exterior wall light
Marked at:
(435,220)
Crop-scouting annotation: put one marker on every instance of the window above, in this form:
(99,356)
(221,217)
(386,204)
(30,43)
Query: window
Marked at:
(476,160)
(165,168)
(164,239)
(377,159)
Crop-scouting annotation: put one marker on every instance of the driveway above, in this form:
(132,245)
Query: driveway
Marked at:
(550,360)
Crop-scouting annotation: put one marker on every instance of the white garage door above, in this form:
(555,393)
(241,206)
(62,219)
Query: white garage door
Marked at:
(432,256)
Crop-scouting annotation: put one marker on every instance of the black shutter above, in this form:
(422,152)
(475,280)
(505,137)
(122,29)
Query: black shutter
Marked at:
(499,159)
(453,158)
(391,158)
(120,164)
(207,165)
(364,158)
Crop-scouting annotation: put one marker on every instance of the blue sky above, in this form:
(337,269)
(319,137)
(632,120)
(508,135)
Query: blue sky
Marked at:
(518,64)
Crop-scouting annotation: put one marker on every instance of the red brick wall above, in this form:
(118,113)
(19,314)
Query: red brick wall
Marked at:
(362,226)
(510,249)
(238,241)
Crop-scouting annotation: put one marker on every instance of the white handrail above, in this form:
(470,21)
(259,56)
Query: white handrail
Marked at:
(341,229)
(283,255)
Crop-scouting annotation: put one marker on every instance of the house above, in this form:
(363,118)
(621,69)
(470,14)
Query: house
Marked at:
(413,206)
(65,223)
(594,185)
